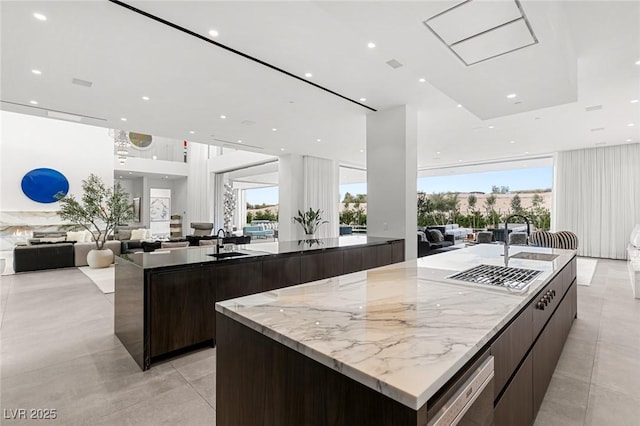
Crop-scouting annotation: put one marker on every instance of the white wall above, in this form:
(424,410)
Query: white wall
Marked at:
(134,188)
(29,142)
(392,176)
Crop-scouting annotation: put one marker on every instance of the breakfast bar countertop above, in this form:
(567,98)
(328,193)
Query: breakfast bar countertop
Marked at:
(403,329)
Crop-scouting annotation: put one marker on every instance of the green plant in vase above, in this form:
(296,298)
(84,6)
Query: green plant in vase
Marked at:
(310,221)
(100,209)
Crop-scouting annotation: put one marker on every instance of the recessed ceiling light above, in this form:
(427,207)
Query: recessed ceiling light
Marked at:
(491,127)
(459,105)
(33,102)
(36,72)
(191,131)
(629,140)
(239,140)
(155,157)
(281,149)
(120,177)
(422,80)
(130,173)
(363,99)
(145,98)
(166,177)
(274,130)
(362,150)
(459,161)
(634,101)
(637,62)
(123,119)
(512,141)
(223,116)
(526,152)
(438,152)
(318,140)
(631,124)
(371,45)
(308,75)
(511,96)
(213,33)
(39,16)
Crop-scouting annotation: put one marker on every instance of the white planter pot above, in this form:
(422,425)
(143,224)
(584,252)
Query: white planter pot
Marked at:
(100,258)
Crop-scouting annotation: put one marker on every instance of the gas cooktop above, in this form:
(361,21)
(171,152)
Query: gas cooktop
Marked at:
(498,276)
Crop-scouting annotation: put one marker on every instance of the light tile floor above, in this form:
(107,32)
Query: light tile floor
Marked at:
(58,351)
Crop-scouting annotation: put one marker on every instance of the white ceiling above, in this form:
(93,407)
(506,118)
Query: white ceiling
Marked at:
(585,56)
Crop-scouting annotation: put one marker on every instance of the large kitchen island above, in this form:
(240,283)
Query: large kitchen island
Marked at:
(164,300)
(394,345)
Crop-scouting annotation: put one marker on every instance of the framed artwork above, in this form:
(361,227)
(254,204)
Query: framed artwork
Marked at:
(160,209)
(140,140)
(136,209)
(42,185)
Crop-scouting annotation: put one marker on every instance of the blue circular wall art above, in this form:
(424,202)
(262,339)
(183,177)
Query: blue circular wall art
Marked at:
(41,185)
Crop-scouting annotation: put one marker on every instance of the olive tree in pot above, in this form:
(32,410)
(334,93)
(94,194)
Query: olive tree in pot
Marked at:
(99,211)
(310,221)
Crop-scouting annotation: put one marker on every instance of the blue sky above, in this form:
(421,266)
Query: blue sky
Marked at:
(516,180)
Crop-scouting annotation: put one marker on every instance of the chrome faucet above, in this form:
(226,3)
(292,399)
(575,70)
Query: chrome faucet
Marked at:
(219,241)
(506,235)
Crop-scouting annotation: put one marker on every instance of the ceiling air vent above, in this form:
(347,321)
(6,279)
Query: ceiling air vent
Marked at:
(476,31)
(597,129)
(593,108)
(248,122)
(80,82)
(394,64)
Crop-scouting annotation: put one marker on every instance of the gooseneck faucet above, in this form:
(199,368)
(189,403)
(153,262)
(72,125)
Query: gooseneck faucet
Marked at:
(506,235)
(219,241)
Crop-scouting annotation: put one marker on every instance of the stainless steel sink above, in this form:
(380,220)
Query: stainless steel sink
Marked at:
(534,256)
(227,254)
(498,276)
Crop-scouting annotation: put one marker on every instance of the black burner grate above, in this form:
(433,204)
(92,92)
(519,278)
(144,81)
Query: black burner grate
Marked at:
(499,276)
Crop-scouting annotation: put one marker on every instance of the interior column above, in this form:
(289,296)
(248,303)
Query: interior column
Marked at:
(392,175)
(290,196)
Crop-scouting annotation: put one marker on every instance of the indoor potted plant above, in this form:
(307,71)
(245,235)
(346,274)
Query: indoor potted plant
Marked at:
(99,211)
(310,221)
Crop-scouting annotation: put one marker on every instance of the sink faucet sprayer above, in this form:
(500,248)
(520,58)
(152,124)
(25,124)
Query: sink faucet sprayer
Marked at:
(506,235)
(219,241)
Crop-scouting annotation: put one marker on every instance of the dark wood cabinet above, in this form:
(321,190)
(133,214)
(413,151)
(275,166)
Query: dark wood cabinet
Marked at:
(180,306)
(548,348)
(384,254)
(237,280)
(332,264)
(280,272)
(397,251)
(369,257)
(351,260)
(510,348)
(311,266)
(516,405)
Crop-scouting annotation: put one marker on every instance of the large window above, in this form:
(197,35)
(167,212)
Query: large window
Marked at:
(481,200)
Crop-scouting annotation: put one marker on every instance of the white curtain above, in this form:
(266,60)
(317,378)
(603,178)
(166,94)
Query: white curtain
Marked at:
(321,191)
(198,199)
(598,198)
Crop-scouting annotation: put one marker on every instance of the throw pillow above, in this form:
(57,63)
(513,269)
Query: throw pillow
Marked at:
(124,234)
(139,234)
(53,240)
(77,236)
(435,236)
(422,236)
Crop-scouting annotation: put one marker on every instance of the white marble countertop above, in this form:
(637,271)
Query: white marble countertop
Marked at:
(401,329)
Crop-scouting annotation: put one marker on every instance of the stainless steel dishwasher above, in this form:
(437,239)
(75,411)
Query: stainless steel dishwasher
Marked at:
(469,400)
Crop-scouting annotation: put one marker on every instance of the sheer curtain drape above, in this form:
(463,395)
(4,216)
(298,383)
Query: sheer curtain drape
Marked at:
(598,198)
(321,191)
